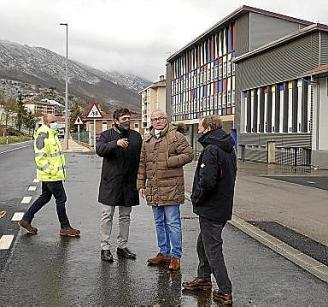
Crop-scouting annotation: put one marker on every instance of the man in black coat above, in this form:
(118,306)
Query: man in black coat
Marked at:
(120,148)
(212,199)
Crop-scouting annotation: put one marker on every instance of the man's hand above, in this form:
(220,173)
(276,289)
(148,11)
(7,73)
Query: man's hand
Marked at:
(142,193)
(124,143)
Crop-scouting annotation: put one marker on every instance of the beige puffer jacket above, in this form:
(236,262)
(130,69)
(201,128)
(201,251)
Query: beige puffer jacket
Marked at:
(161,167)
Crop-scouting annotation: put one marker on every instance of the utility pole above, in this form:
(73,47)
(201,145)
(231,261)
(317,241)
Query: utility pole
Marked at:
(66,136)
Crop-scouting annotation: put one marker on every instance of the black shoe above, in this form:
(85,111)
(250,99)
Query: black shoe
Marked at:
(106,255)
(125,253)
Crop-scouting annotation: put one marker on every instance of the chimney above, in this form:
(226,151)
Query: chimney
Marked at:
(161,78)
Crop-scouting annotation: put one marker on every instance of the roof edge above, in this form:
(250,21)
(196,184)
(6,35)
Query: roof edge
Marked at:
(282,40)
(234,15)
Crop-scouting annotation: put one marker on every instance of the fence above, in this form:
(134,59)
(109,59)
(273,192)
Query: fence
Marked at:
(289,156)
(294,156)
(84,136)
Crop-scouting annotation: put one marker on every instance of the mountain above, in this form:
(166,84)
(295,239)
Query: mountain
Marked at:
(43,67)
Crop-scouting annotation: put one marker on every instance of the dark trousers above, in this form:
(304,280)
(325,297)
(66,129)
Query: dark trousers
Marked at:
(209,250)
(56,189)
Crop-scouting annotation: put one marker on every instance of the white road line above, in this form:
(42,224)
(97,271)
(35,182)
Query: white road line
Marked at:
(17,216)
(311,182)
(10,150)
(6,241)
(32,188)
(36,180)
(26,200)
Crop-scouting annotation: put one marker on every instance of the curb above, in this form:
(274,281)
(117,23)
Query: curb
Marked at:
(302,260)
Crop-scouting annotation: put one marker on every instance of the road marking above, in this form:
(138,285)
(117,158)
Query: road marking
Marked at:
(5,241)
(10,150)
(32,188)
(26,200)
(36,180)
(311,182)
(17,216)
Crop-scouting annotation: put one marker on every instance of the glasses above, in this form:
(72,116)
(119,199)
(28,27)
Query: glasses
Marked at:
(159,119)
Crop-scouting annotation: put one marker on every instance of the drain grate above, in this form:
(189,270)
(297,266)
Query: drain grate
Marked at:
(301,242)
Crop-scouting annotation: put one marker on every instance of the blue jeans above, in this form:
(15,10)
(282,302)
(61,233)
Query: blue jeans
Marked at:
(168,230)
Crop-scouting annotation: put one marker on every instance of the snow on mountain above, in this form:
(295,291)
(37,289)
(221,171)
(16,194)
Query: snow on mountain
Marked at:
(40,66)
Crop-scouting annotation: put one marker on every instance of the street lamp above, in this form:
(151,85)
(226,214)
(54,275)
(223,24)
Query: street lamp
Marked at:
(66,136)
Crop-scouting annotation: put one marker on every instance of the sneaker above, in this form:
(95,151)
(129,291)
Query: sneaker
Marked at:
(69,232)
(222,298)
(159,259)
(174,264)
(199,283)
(28,227)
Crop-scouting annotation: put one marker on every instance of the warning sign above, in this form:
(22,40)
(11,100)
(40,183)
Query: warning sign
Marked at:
(94,112)
(78,121)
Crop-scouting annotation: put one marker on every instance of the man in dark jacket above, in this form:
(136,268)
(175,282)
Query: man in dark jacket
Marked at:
(120,148)
(212,199)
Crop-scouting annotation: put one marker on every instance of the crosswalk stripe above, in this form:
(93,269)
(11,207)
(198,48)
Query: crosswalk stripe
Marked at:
(32,188)
(36,180)
(17,216)
(6,241)
(26,200)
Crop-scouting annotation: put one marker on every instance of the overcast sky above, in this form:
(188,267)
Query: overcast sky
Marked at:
(134,36)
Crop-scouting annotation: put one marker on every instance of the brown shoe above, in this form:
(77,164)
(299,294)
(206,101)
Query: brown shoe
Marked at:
(28,227)
(69,232)
(222,298)
(199,283)
(159,259)
(174,264)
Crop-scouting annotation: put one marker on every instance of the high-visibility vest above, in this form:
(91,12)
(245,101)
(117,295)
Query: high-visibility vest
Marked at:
(49,159)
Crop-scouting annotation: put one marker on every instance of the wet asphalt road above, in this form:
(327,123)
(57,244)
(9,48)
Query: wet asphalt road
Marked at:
(17,172)
(319,182)
(45,270)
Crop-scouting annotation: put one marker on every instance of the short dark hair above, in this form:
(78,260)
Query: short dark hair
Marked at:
(120,112)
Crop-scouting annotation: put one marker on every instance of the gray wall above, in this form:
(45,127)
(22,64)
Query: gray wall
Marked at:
(286,62)
(324,48)
(265,29)
(281,139)
(169,77)
(242,35)
(320,158)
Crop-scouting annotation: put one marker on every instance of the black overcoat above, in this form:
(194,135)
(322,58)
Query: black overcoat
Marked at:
(118,185)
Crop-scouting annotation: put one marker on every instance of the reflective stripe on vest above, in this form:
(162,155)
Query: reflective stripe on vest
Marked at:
(56,154)
(43,168)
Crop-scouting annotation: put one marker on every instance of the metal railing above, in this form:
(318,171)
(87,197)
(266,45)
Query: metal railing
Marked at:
(289,156)
(84,136)
(293,156)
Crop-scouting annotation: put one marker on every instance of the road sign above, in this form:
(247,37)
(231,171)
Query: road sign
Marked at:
(78,121)
(94,112)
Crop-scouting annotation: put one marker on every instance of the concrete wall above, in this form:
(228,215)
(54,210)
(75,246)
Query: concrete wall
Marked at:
(320,124)
(264,29)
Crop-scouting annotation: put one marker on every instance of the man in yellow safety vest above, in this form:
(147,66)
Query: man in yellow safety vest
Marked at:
(50,165)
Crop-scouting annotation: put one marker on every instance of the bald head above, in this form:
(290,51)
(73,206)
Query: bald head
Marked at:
(49,118)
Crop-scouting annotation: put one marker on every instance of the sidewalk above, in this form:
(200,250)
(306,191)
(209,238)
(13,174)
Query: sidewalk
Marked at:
(258,198)
(294,213)
(74,146)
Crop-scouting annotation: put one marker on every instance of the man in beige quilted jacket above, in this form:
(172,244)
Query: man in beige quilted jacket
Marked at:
(160,180)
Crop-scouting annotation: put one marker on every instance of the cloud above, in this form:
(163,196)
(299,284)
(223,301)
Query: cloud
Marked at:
(128,35)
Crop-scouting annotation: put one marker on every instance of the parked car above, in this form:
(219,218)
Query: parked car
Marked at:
(61,133)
